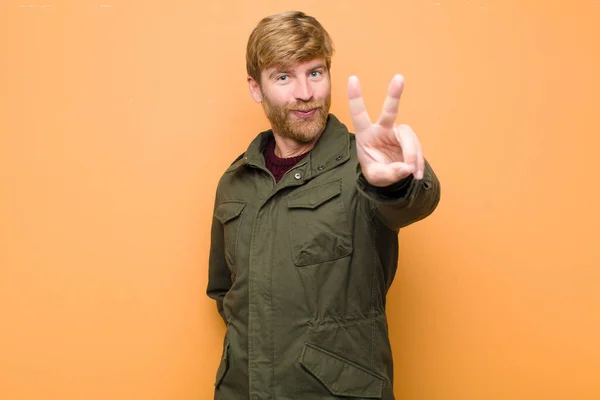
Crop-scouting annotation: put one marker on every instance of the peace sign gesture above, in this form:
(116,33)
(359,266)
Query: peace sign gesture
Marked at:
(387,152)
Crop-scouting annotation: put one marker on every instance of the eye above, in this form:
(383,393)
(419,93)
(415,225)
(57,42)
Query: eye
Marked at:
(315,74)
(282,78)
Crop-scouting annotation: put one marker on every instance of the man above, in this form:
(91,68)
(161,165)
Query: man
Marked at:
(304,242)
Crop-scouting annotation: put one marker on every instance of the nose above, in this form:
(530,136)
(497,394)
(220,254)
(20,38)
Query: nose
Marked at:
(303,90)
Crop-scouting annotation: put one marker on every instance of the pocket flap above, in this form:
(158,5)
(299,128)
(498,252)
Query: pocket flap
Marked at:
(315,196)
(229,210)
(341,376)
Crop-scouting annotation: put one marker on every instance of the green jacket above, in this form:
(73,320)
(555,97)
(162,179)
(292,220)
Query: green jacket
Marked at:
(300,271)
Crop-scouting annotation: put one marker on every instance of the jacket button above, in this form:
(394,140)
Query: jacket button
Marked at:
(297,176)
(338,158)
(320,167)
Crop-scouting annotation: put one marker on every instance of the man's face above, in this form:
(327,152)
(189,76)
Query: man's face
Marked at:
(296,100)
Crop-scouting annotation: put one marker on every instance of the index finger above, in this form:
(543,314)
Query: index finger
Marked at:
(358,111)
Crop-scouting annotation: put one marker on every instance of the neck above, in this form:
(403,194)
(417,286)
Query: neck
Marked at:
(286,147)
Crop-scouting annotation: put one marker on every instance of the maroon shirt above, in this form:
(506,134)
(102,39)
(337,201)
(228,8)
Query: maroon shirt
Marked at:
(279,166)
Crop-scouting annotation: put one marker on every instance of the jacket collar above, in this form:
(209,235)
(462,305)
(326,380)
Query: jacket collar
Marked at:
(331,150)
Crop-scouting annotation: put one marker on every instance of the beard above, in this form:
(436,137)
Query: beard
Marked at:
(302,130)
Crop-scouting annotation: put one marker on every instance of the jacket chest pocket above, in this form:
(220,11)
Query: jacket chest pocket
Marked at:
(319,229)
(229,213)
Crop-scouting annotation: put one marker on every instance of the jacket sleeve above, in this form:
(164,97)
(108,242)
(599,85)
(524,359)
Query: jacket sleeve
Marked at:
(219,278)
(404,202)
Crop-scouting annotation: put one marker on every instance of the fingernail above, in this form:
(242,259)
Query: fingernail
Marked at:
(419,175)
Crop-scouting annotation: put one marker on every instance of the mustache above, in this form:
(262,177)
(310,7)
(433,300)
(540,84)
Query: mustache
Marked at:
(305,106)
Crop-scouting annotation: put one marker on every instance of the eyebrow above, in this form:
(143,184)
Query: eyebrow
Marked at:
(318,66)
(285,70)
(278,71)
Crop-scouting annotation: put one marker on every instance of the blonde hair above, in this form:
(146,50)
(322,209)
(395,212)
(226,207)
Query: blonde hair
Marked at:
(285,39)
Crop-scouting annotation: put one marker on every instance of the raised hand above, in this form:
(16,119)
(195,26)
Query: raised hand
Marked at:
(387,152)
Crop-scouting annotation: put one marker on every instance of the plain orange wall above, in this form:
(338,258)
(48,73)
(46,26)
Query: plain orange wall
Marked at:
(118,117)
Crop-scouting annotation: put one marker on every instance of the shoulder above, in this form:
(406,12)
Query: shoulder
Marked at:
(226,177)
(237,162)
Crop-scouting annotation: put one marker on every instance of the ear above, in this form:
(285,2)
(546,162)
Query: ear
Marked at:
(255,91)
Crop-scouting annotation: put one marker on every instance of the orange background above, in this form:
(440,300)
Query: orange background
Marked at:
(118,117)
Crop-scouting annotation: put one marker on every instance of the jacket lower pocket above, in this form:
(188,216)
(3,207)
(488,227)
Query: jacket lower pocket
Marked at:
(341,376)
